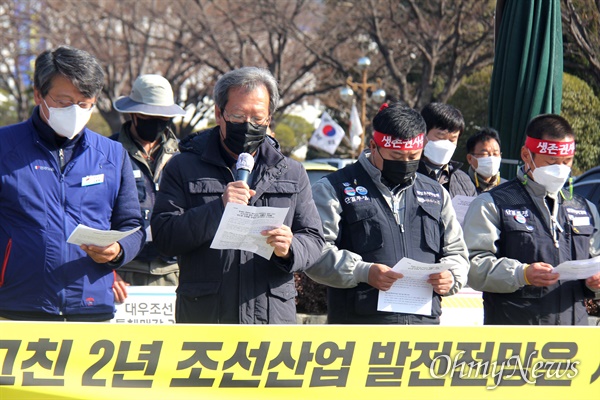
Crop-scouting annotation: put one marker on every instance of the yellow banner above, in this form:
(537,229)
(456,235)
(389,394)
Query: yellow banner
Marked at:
(111,361)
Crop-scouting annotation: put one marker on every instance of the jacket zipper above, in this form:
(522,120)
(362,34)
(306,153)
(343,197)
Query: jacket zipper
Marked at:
(5,262)
(403,240)
(396,213)
(61,158)
(61,164)
(61,179)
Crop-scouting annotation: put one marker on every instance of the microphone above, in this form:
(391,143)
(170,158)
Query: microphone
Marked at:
(244,165)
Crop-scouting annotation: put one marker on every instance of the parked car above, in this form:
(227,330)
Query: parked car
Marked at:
(317,170)
(588,185)
(339,163)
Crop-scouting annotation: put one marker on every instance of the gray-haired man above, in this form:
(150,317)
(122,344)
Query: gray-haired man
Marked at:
(233,286)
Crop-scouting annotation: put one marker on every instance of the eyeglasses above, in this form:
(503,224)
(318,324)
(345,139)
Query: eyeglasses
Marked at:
(241,118)
(67,103)
(486,154)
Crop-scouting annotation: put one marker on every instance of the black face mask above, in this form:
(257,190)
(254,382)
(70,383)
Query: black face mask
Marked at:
(150,129)
(244,137)
(398,172)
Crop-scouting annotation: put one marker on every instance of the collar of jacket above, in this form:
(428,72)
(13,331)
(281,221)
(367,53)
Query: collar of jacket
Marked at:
(480,183)
(535,189)
(454,165)
(49,137)
(169,143)
(375,173)
(434,171)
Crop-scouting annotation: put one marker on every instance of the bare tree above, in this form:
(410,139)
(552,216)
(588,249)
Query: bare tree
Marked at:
(192,43)
(581,23)
(427,47)
(420,49)
(130,38)
(228,34)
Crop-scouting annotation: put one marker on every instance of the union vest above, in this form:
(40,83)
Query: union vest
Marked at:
(368,227)
(525,236)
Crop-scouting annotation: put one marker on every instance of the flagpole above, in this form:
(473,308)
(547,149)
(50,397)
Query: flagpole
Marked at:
(363,87)
(362,131)
(355,130)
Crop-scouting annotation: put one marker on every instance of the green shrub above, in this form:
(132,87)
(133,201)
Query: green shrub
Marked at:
(582,109)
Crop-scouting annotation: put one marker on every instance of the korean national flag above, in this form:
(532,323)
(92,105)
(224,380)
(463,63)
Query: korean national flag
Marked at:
(328,135)
(356,128)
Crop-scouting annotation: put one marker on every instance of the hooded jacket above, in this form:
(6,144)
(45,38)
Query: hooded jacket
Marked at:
(232,286)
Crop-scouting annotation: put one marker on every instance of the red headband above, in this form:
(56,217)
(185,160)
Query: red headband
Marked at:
(389,142)
(550,147)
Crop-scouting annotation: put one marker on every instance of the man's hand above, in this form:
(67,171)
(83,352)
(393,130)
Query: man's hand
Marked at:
(280,239)
(102,255)
(442,282)
(119,288)
(540,274)
(383,277)
(593,282)
(237,192)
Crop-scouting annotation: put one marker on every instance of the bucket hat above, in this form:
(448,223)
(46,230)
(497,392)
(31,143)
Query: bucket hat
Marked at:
(150,95)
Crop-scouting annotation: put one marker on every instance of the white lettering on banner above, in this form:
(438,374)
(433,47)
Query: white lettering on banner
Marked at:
(554,149)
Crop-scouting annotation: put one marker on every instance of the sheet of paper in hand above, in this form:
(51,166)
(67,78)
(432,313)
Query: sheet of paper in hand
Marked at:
(578,269)
(241,226)
(85,235)
(411,294)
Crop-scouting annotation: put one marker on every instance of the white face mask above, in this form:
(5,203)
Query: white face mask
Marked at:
(439,152)
(68,121)
(552,177)
(488,166)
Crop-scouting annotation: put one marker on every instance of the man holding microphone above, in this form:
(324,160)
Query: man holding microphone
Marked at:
(234,286)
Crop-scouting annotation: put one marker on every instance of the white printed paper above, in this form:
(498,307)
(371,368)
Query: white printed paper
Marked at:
(461,205)
(411,294)
(578,269)
(85,235)
(241,226)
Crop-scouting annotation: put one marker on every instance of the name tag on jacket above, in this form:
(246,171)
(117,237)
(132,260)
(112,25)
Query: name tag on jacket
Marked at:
(92,180)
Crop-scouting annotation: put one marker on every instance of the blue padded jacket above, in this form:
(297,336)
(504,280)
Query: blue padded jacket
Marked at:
(40,206)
